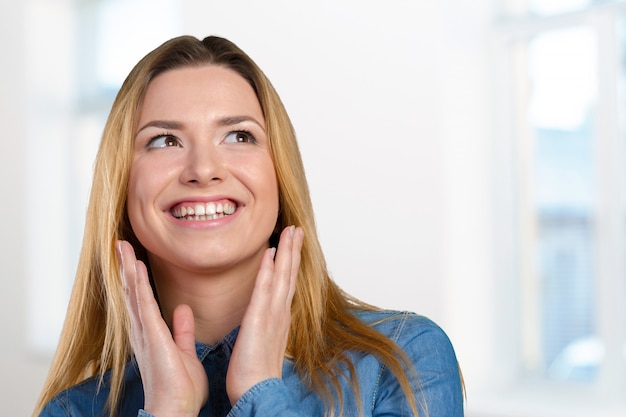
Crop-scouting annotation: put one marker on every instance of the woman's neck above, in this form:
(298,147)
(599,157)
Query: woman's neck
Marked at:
(218,300)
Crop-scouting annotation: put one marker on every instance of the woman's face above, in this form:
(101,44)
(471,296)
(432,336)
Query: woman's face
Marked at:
(202,190)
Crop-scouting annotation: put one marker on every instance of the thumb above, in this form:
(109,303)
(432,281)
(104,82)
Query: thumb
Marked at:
(184,329)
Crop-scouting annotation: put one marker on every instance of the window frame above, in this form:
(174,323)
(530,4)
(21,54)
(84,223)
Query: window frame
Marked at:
(510,388)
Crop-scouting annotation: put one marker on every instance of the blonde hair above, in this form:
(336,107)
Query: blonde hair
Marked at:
(95,337)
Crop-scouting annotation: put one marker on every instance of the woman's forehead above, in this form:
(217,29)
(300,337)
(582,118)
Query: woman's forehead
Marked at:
(200,91)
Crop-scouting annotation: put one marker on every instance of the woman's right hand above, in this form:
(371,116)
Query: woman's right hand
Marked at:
(174,381)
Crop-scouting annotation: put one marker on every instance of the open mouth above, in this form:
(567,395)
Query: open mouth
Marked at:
(204,211)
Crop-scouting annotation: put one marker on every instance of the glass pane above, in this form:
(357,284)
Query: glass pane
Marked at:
(115,34)
(127,30)
(621,32)
(544,8)
(563,87)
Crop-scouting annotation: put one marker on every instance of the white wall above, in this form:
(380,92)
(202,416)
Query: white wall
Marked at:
(390,107)
(360,82)
(21,373)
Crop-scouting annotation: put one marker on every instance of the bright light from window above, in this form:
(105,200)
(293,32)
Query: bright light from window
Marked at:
(129,29)
(563,73)
(551,7)
(563,81)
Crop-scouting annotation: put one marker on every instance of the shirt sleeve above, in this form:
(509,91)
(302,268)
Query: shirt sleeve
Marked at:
(54,409)
(267,398)
(438,390)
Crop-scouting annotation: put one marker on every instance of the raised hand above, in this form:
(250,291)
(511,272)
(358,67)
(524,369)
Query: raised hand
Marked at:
(174,381)
(260,347)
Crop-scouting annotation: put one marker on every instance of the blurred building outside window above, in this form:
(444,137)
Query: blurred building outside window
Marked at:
(566,99)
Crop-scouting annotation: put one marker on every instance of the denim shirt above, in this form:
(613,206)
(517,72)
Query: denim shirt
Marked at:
(438,390)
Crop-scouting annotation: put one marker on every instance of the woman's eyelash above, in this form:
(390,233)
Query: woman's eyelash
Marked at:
(153,141)
(248,135)
(165,139)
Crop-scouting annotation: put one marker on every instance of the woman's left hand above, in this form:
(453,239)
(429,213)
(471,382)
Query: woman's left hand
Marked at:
(260,348)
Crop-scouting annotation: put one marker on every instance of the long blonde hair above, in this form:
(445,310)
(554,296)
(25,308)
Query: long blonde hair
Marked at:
(95,337)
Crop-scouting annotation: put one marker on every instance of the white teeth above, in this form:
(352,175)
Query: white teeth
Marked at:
(200,210)
(208,211)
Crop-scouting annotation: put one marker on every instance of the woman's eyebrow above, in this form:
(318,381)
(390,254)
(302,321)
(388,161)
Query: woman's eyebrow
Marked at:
(224,121)
(234,120)
(163,124)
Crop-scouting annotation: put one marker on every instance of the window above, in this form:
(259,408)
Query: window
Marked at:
(559,205)
(565,97)
(74,75)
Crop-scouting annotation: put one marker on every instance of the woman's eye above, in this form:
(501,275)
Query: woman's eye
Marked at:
(239,137)
(163,141)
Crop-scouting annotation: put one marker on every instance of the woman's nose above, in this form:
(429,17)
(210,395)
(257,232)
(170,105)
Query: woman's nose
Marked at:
(202,166)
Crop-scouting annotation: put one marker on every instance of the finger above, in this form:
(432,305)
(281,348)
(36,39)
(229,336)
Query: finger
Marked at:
(149,311)
(183,329)
(296,249)
(145,316)
(275,282)
(128,275)
(264,280)
(152,324)
(285,263)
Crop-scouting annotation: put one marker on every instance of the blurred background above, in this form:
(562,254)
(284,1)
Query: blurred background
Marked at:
(466,161)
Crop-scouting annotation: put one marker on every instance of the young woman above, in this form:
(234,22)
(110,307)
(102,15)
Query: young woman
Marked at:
(202,289)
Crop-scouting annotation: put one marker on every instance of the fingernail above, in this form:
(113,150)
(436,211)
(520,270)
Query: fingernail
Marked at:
(118,250)
(120,258)
(292,230)
(272,252)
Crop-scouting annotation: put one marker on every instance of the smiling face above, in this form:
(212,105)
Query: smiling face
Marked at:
(202,193)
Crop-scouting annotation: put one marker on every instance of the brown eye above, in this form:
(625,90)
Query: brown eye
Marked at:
(239,136)
(163,141)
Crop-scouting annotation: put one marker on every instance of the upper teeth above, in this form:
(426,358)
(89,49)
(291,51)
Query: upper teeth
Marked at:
(204,211)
